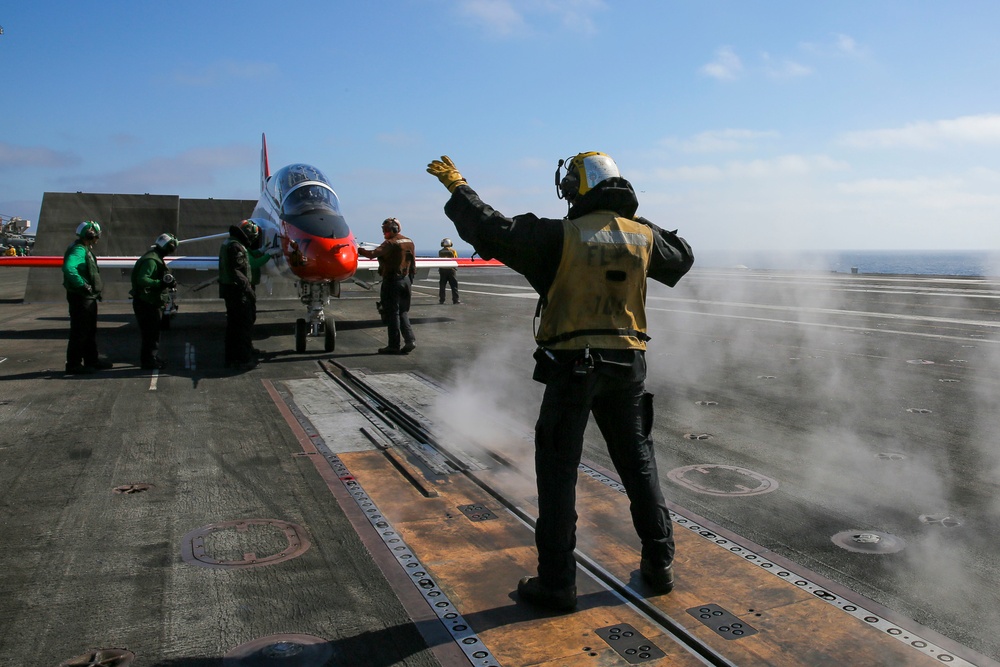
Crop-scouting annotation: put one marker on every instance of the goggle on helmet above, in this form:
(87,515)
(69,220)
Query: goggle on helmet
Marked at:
(583,172)
(166,242)
(250,229)
(88,229)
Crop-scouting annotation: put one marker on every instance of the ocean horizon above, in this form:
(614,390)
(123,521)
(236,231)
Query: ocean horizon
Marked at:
(968,263)
(902,262)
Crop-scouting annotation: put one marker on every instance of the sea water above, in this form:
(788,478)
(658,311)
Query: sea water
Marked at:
(905,262)
(902,262)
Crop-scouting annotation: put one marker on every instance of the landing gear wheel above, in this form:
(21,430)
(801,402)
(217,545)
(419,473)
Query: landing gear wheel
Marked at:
(329,335)
(300,335)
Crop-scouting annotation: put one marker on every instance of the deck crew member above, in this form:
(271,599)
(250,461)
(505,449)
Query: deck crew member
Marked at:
(590,271)
(448,277)
(236,288)
(151,285)
(397,267)
(82,280)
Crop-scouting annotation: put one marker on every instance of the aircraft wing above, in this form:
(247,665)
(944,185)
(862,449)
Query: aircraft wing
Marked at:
(435,263)
(367,273)
(54,261)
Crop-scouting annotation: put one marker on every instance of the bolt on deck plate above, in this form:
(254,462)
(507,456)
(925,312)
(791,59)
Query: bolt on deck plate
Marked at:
(722,622)
(629,643)
(477,512)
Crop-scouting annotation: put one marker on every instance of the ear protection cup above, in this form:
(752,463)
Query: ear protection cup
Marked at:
(392,224)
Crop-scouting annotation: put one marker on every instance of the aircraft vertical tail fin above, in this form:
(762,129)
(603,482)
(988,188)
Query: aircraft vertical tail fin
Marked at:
(265,170)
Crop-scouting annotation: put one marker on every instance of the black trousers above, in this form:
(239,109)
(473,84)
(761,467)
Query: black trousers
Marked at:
(148,317)
(241,313)
(395,295)
(624,414)
(82,347)
(448,277)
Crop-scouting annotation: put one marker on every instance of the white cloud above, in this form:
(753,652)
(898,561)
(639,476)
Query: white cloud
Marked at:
(196,167)
(982,130)
(784,69)
(498,16)
(719,141)
(846,45)
(17,157)
(786,165)
(783,166)
(841,45)
(726,66)
(506,18)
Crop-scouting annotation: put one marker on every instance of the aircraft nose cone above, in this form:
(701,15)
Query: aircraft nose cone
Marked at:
(339,260)
(318,259)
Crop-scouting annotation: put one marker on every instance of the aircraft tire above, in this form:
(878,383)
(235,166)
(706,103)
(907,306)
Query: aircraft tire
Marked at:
(329,335)
(300,335)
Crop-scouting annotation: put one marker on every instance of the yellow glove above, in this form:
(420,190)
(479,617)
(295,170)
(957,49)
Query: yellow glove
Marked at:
(445,171)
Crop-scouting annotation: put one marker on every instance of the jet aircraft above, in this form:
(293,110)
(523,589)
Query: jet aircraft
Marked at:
(307,239)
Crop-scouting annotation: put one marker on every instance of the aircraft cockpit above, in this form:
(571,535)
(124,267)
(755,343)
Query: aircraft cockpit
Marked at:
(308,201)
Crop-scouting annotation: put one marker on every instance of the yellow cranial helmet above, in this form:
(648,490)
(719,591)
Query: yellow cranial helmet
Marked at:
(583,172)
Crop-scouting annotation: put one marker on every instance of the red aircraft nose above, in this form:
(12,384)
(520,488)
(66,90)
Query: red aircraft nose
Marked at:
(317,259)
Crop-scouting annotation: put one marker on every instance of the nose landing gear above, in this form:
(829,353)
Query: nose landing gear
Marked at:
(314,296)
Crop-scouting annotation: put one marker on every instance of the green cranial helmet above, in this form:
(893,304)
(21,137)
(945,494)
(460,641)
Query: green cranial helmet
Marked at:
(88,229)
(166,242)
(583,172)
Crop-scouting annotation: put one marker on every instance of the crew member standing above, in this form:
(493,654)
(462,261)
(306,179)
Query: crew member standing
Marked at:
(448,276)
(82,280)
(590,271)
(150,290)
(396,267)
(236,288)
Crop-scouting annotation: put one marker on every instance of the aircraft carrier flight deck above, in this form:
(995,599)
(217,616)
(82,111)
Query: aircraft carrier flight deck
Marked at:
(827,444)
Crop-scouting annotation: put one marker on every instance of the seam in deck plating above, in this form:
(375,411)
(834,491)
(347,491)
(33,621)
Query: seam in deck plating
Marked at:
(466,639)
(909,638)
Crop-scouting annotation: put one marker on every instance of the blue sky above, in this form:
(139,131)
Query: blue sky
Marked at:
(787,125)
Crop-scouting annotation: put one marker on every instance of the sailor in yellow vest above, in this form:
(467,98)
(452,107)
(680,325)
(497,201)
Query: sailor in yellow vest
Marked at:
(448,277)
(590,271)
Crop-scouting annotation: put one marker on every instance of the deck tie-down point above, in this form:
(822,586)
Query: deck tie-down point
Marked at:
(629,643)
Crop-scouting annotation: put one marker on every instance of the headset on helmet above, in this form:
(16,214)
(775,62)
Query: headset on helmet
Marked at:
(166,242)
(445,243)
(583,172)
(392,224)
(88,229)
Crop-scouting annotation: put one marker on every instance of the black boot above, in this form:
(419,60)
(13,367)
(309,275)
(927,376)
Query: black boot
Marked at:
(658,577)
(531,590)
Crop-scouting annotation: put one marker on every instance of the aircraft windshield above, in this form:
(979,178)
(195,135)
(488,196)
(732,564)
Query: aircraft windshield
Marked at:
(310,197)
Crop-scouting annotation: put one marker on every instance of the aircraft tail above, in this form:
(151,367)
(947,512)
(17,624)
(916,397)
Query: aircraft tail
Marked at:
(265,170)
